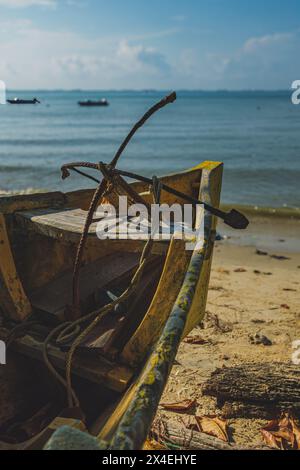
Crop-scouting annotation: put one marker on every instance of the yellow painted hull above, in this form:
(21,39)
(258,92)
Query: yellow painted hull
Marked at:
(141,364)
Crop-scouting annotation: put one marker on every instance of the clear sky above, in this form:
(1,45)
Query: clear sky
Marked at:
(137,44)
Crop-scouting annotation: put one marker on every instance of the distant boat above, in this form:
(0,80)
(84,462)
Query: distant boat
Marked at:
(102,102)
(19,101)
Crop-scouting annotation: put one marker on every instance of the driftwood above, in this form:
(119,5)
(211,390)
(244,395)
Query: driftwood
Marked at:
(256,390)
(176,435)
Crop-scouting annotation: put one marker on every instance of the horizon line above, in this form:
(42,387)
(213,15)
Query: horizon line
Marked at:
(153,90)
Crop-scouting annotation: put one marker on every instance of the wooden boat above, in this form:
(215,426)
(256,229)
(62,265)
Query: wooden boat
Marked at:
(106,328)
(120,373)
(20,101)
(92,103)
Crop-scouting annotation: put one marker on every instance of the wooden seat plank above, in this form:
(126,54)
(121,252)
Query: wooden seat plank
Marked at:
(54,297)
(54,222)
(68,224)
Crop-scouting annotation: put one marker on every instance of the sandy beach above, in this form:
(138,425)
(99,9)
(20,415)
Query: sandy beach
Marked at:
(254,289)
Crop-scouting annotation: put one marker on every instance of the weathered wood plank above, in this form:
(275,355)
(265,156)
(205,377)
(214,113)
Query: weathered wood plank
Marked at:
(64,223)
(67,225)
(54,297)
(256,390)
(209,192)
(13,298)
(171,433)
(11,204)
(91,367)
(167,291)
(116,329)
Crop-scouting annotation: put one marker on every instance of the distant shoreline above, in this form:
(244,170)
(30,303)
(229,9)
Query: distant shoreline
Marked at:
(269,229)
(81,90)
(260,211)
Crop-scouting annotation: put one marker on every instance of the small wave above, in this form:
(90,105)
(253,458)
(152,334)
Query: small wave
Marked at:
(261,211)
(57,142)
(23,169)
(22,191)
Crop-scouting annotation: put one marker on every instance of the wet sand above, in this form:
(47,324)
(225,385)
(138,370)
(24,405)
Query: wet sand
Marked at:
(249,293)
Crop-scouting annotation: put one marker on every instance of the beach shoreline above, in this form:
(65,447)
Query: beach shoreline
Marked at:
(268,230)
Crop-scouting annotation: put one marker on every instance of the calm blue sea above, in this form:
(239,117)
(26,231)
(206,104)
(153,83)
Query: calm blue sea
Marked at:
(255,134)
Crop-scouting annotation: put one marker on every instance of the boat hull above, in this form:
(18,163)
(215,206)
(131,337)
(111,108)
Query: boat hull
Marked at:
(90,104)
(22,101)
(136,378)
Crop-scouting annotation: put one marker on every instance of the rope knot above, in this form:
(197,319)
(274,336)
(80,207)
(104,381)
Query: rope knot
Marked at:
(64,172)
(106,171)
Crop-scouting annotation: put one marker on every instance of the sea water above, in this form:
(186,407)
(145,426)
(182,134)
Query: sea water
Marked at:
(255,134)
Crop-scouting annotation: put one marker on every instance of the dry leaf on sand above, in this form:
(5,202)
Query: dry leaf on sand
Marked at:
(271,440)
(213,426)
(296,431)
(151,444)
(223,271)
(283,433)
(195,340)
(180,407)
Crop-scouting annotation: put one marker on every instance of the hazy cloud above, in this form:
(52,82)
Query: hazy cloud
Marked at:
(256,43)
(122,60)
(35,58)
(76,65)
(264,61)
(139,56)
(32,57)
(28,3)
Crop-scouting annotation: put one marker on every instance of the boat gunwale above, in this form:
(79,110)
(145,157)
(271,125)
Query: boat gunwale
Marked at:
(133,428)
